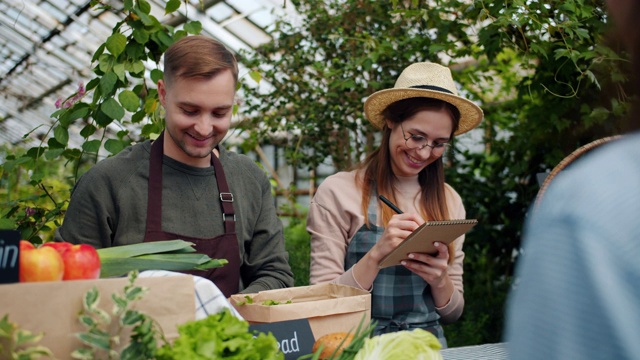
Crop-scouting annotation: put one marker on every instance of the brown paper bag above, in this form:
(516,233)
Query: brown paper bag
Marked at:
(328,307)
(53,307)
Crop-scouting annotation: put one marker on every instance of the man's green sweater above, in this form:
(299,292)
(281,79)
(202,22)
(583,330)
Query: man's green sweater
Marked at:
(109,208)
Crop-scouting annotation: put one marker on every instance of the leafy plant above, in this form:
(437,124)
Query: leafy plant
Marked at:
(105,334)
(218,336)
(297,243)
(20,344)
(33,208)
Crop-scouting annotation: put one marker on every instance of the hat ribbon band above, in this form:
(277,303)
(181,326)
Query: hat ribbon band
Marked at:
(430,87)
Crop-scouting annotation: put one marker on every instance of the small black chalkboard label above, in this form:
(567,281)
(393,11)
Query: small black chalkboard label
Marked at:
(9,256)
(294,336)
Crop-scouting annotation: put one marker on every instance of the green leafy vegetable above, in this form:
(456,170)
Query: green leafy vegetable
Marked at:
(248,301)
(172,255)
(265,303)
(274,302)
(416,344)
(218,336)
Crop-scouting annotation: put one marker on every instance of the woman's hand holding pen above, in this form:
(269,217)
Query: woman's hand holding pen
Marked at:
(399,227)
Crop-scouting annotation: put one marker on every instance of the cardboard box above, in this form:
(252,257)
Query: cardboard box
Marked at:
(328,307)
(52,308)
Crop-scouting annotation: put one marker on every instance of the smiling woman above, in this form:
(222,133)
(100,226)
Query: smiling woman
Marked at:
(428,118)
(351,232)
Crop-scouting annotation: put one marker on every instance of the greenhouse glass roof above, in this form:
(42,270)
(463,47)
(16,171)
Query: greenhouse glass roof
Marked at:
(46,48)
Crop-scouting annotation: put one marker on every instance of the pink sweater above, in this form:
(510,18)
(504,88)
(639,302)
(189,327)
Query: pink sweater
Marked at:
(335,215)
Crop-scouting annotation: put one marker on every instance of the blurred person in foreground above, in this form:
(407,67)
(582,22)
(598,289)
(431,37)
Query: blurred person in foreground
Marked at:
(577,291)
(185,184)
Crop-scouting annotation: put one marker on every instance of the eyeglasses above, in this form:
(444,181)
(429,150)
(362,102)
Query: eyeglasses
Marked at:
(420,142)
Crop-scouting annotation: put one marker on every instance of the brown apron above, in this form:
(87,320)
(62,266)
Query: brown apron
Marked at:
(225,246)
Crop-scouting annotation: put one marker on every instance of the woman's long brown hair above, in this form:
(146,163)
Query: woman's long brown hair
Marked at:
(376,168)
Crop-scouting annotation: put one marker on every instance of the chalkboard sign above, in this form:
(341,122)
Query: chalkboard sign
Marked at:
(9,256)
(294,336)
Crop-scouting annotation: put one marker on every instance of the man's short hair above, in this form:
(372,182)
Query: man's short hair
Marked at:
(198,56)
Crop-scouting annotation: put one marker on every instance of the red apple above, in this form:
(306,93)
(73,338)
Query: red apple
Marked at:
(60,246)
(80,261)
(26,245)
(40,264)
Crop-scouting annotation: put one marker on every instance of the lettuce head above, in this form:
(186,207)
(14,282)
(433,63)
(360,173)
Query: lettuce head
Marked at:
(220,336)
(417,344)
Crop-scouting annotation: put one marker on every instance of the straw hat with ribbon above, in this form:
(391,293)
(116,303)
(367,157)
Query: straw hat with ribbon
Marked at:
(427,80)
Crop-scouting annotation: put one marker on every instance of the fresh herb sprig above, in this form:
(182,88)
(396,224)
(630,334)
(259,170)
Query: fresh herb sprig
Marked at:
(17,343)
(103,338)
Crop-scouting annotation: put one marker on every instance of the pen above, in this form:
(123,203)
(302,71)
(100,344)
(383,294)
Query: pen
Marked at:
(390,204)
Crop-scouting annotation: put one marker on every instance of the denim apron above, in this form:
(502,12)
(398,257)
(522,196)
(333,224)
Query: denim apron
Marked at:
(400,300)
(224,246)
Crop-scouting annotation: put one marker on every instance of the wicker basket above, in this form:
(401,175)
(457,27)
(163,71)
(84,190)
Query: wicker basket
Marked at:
(568,160)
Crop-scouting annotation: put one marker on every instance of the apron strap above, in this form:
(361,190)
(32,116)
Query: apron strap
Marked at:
(154,192)
(226,197)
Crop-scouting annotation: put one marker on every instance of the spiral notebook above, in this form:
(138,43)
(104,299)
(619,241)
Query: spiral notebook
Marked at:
(422,239)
